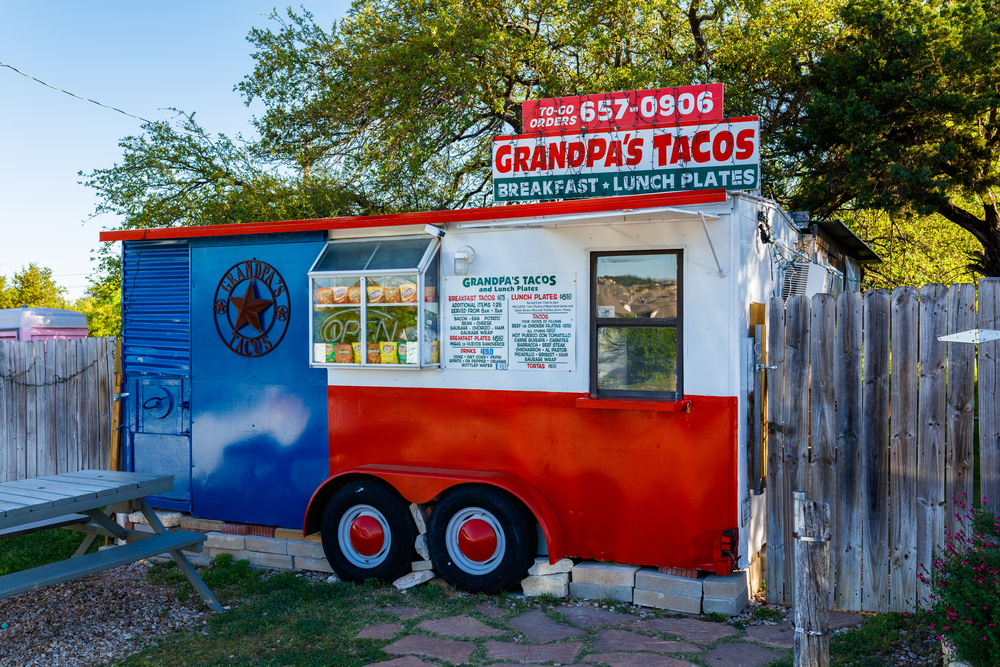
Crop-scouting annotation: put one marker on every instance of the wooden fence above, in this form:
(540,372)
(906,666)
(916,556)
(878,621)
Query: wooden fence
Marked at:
(55,406)
(867,411)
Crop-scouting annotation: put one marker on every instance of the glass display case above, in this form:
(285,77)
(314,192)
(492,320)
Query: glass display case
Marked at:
(374,304)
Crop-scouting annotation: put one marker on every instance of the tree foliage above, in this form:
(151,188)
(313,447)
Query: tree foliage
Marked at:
(32,286)
(902,117)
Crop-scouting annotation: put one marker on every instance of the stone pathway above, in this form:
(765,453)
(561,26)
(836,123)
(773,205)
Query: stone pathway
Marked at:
(578,636)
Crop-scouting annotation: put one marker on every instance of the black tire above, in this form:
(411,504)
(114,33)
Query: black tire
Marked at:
(513,547)
(365,505)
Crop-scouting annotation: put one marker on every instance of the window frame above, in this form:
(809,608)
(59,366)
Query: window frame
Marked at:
(676,323)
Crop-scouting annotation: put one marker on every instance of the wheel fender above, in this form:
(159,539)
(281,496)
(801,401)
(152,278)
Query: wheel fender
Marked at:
(421,485)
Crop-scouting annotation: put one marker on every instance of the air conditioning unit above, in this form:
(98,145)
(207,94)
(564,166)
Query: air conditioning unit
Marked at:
(804,278)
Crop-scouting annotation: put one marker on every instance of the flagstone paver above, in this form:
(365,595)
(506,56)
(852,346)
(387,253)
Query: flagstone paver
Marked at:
(540,628)
(780,635)
(462,627)
(405,612)
(701,632)
(622,640)
(637,660)
(844,619)
(490,610)
(449,650)
(405,661)
(589,617)
(379,631)
(739,654)
(564,652)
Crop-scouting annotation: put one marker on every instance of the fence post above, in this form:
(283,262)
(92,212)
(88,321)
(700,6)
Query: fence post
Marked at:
(777,475)
(811,614)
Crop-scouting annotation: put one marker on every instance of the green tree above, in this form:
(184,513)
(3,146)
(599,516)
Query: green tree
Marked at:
(32,286)
(902,117)
(102,306)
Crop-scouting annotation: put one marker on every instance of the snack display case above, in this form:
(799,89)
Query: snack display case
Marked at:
(374,304)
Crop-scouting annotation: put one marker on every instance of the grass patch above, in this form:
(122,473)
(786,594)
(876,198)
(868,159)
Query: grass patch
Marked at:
(27,551)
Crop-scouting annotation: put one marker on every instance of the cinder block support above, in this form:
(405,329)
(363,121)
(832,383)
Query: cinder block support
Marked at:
(685,604)
(726,595)
(605,574)
(600,591)
(550,584)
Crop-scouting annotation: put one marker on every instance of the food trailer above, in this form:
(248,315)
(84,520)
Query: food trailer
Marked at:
(560,377)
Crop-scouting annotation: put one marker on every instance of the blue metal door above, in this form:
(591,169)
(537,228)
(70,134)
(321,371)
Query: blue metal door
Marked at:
(156,296)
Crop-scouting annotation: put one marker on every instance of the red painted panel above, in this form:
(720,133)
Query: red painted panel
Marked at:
(630,202)
(646,487)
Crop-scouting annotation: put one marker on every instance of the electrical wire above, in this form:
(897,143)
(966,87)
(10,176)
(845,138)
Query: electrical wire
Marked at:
(85,99)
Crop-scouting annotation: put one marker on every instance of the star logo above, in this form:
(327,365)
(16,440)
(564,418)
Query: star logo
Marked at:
(251,308)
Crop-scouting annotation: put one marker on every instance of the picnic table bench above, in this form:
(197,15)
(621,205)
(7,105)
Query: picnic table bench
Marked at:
(75,500)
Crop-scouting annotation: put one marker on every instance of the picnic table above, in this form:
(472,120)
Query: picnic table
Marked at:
(75,500)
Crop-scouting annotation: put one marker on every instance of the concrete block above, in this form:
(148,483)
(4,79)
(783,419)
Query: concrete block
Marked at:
(686,604)
(418,518)
(727,606)
(141,528)
(605,574)
(291,534)
(267,545)
(413,579)
(599,591)
(222,541)
(421,547)
(419,565)
(168,519)
(306,549)
(200,525)
(549,584)
(277,561)
(315,564)
(542,567)
(649,579)
(237,554)
(733,585)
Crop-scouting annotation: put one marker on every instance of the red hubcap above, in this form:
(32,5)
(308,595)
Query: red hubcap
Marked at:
(367,536)
(477,540)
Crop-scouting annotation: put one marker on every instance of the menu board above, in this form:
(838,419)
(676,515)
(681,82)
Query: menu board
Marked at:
(511,322)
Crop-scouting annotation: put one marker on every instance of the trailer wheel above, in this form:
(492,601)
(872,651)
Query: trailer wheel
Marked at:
(480,540)
(368,532)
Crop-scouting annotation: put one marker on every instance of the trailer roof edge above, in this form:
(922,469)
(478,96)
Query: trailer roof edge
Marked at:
(597,205)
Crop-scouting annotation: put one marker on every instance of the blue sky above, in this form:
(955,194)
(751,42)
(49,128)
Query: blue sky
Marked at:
(141,57)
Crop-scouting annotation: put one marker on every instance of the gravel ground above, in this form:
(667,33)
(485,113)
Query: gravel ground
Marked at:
(94,620)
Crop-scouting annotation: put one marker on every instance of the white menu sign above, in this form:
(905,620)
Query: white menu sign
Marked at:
(511,322)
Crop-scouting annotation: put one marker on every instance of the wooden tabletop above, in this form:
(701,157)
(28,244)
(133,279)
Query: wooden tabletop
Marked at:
(39,498)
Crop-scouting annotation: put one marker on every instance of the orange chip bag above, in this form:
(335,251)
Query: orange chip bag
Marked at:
(340,295)
(343,353)
(389,352)
(324,295)
(354,294)
(391,295)
(429,294)
(375,294)
(374,353)
(408,293)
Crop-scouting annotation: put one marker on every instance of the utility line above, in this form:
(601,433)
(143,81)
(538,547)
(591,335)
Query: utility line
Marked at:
(85,99)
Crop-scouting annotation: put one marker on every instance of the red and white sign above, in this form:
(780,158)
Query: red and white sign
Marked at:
(623,111)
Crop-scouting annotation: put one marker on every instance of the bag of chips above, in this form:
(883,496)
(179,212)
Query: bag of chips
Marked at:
(389,352)
(435,354)
(429,294)
(319,353)
(340,295)
(408,293)
(324,295)
(343,353)
(358,353)
(375,294)
(354,294)
(402,353)
(391,295)
(374,353)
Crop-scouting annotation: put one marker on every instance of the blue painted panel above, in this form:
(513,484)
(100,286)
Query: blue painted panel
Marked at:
(156,307)
(166,455)
(258,424)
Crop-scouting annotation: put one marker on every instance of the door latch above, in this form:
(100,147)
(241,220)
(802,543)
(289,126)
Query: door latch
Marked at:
(118,397)
(760,368)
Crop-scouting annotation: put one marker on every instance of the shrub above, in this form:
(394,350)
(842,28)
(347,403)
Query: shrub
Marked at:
(965,603)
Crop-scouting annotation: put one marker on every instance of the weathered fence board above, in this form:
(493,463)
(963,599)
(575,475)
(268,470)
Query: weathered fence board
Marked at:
(931,428)
(849,515)
(778,493)
(989,394)
(903,451)
(823,399)
(875,452)
(961,385)
(55,406)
